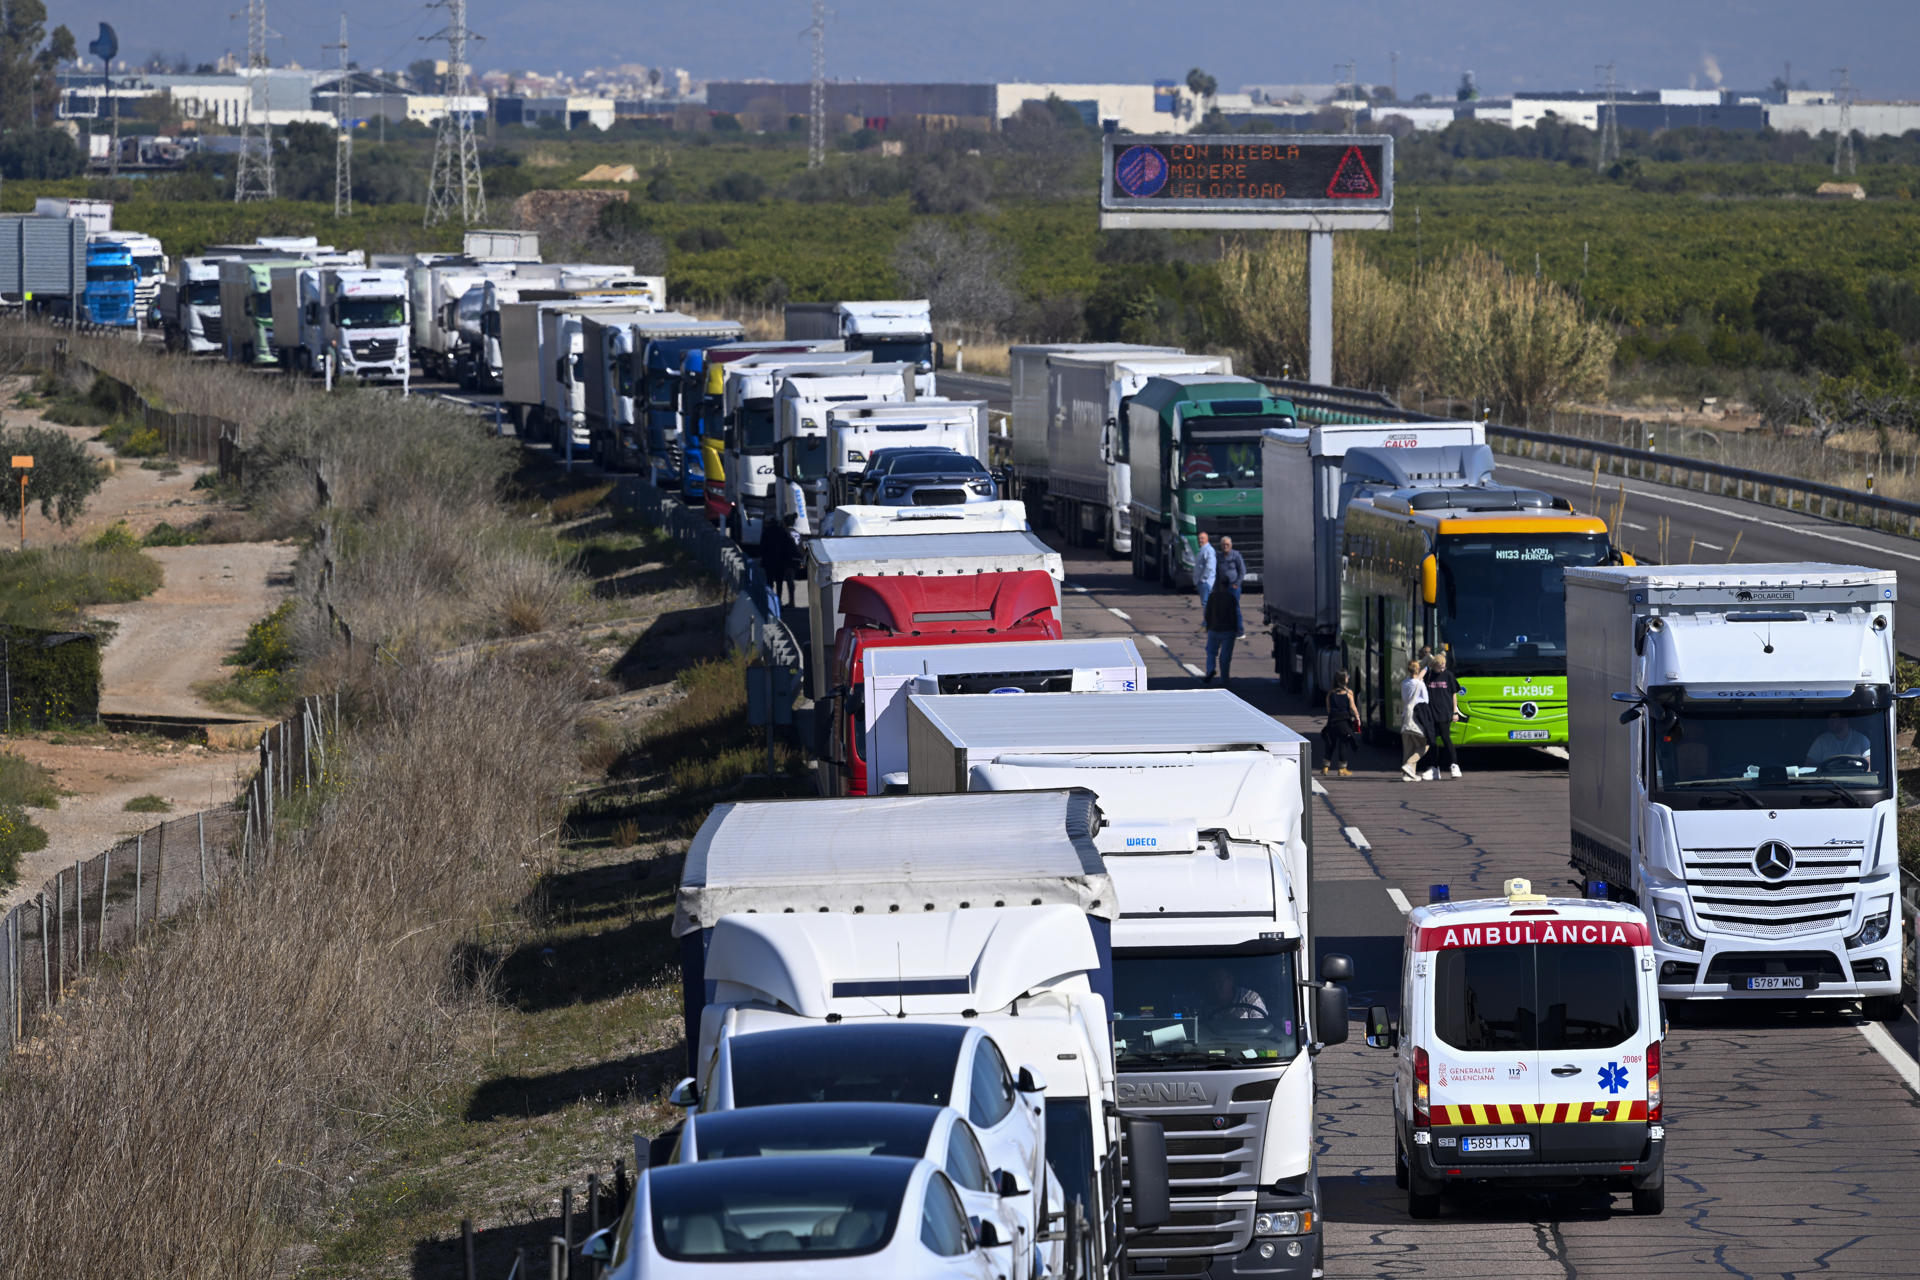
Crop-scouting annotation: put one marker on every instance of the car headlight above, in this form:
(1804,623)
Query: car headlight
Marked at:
(1673,932)
(983,486)
(1290,1222)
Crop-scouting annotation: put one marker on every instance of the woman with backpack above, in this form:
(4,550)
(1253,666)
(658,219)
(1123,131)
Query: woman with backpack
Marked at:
(1343,726)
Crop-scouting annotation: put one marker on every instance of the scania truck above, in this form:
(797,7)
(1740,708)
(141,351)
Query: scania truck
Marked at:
(1215,1016)
(1734,773)
(1193,450)
(1000,921)
(748,438)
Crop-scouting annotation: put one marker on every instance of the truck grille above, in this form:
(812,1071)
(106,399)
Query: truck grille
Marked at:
(1211,1155)
(210,328)
(375,348)
(1731,896)
(1245,532)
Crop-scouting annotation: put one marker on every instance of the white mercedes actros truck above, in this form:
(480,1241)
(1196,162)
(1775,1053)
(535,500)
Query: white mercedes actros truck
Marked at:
(1733,772)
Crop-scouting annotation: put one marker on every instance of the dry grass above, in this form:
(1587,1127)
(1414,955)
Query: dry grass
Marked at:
(1466,327)
(206,1097)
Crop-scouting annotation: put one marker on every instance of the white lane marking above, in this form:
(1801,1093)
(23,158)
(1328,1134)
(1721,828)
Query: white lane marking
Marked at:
(1075,587)
(1193,670)
(1558,753)
(1156,640)
(1711,546)
(1116,613)
(1657,496)
(1631,525)
(1355,839)
(1887,1047)
(1318,789)
(1399,900)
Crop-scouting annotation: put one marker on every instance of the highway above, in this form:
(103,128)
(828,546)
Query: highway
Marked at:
(1794,1135)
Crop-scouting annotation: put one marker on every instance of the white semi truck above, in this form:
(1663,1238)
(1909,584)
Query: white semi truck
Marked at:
(1216,1020)
(1089,476)
(1745,794)
(801,449)
(749,437)
(343,322)
(891,332)
(1027,371)
(859,429)
(190,307)
(973,912)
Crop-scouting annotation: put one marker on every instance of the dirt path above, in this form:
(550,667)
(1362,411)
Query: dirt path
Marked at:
(179,636)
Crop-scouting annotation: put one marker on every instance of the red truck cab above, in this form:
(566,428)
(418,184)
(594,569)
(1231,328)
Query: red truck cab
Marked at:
(887,611)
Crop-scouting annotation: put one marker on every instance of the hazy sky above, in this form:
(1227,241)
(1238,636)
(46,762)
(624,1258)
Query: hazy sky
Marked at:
(1508,43)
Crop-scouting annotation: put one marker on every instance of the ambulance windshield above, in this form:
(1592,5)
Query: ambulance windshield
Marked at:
(1185,1009)
(1546,996)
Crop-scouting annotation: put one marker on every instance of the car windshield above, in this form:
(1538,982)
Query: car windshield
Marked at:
(372,313)
(776,1209)
(1502,605)
(1224,1009)
(205,293)
(111,273)
(1556,997)
(1222,464)
(1806,757)
(947,463)
(812,1129)
(846,1064)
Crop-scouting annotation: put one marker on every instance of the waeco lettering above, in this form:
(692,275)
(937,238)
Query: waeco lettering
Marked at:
(1515,933)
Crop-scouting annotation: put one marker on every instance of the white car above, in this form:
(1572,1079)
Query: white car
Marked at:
(932,1064)
(939,1134)
(860,1217)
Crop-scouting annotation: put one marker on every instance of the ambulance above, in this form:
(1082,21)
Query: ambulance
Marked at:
(1528,1050)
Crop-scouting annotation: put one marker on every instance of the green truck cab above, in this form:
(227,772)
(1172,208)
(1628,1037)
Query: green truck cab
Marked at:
(1193,446)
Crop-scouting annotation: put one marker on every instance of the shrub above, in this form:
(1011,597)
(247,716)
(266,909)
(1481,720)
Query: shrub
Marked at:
(48,587)
(166,535)
(148,804)
(63,476)
(118,536)
(25,783)
(53,677)
(18,836)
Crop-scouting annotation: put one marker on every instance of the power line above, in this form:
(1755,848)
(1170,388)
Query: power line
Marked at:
(253,177)
(455,181)
(343,130)
(817,101)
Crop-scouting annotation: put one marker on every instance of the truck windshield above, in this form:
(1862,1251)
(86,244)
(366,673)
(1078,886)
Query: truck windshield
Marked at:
(807,458)
(754,419)
(1502,606)
(1806,757)
(372,313)
(263,304)
(204,293)
(1208,462)
(1181,1009)
(1554,997)
(112,273)
(895,350)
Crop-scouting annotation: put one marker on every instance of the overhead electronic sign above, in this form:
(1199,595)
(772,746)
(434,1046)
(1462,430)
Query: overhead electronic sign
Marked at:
(1314,181)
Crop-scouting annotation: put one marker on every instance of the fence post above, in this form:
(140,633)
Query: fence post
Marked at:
(556,1247)
(46,960)
(139,879)
(159,871)
(79,920)
(200,819)
(106,875)
(60,928)
(466,1243)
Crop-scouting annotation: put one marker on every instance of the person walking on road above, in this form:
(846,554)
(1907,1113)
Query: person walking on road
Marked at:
(1413,720)
(1442,710)
(1343,726)
(1205,565)
(1223,628)
(1233,572)
(779,557)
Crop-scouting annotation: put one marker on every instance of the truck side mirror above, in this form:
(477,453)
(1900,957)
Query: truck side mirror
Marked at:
(1430,580)
(1150,1191)
(1330,1014)
(1624,558)
(1335,967)
(1381,1033)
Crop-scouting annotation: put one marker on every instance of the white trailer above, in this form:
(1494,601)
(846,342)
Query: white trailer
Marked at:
(895,332)
(858,429)
(1746,796)
(989,914)
(1089,477)
(856,520)
(95,215)
(1110,664)
(801,466)
(1207,838)
(1027,424)
(831,561)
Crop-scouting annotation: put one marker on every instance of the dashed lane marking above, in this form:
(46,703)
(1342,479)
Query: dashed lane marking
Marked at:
(1355,839)
(1193,670)
(1399,900)
(1318,789)
(1118,614)
(1157,642)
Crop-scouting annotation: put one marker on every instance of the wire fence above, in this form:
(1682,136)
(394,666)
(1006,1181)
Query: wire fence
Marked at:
(114,900)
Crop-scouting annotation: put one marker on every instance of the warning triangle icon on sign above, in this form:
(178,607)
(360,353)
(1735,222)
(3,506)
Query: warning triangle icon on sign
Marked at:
(1353,180)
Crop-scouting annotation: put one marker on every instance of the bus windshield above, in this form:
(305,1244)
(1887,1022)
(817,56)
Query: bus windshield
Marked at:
(1502,606)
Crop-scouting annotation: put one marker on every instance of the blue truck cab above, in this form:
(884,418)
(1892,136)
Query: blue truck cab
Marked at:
(111,281)
(676,372)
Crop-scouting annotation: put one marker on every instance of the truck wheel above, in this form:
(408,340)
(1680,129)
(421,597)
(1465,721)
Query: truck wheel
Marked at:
(1399,1164)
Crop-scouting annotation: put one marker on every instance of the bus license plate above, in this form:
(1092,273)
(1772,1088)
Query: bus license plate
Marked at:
(1498,1142)
(1528,735)
(1776,984)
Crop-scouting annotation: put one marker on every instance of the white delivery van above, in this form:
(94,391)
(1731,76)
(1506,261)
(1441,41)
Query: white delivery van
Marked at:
(1528,1048)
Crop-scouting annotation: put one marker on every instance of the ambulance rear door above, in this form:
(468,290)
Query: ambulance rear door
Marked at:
(1595,1027)
(1483,1066)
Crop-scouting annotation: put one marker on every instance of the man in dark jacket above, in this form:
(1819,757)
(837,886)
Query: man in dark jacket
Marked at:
(1442,690)
(779,558)
(1233,572)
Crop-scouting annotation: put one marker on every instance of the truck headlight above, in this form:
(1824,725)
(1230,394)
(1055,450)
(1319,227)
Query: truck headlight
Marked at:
(1290,1222)
(1875,927)
(1673,932)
